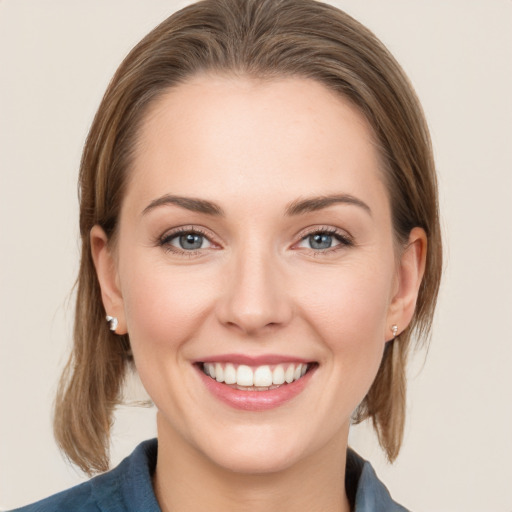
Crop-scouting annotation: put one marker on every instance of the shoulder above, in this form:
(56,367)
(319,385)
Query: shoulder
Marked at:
(78,499)
(366,492)
(127,487)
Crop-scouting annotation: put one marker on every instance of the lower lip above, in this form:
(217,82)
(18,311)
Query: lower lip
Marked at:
(256,400)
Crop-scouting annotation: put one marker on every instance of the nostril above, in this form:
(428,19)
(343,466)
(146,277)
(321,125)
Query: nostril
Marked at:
(252,324)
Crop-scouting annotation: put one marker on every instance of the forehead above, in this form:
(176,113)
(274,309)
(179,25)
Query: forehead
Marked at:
(228,137)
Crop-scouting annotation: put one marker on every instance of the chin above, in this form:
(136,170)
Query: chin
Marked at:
(265,448)
(253,459)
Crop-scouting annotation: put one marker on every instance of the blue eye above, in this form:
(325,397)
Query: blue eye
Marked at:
(321,241)
(187,241)
(190,241)
(324,240)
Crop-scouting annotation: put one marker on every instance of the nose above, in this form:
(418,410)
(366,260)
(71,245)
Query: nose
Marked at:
(255,298)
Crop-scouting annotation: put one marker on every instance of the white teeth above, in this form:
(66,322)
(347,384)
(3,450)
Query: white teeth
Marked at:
(244,376)
(263,377)
(278,375)
(219,372)
(210,370)
(230,374)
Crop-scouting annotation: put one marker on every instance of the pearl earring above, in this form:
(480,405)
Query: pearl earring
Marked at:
(112,320)
(394,330)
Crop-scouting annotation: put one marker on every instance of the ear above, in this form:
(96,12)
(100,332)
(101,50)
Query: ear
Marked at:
(106,270)
(411,268)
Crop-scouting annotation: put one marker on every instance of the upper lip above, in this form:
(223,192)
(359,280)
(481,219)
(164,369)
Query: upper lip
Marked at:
(253,360)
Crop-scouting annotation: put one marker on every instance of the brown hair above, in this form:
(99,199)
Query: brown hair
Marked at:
(262,39)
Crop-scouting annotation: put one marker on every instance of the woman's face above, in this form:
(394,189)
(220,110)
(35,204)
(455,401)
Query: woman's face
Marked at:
(255,241)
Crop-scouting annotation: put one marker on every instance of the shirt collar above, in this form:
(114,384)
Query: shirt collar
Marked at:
(366,493)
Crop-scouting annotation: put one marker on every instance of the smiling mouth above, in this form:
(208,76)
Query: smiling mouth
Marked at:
(256,378)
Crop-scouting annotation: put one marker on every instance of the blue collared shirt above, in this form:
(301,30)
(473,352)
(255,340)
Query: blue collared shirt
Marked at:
(128,488)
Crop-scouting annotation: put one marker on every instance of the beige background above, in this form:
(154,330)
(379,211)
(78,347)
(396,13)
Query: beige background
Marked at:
(56,58)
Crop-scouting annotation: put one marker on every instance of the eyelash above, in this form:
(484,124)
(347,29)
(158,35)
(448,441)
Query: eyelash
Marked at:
(343,239)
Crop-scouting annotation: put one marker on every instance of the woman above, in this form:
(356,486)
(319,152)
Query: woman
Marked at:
(260,231)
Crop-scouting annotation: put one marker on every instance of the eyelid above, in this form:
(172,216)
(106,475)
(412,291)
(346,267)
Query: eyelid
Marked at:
(323,228)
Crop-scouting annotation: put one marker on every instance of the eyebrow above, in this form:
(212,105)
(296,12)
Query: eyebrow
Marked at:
(297,207)
(313,204)
(189,203)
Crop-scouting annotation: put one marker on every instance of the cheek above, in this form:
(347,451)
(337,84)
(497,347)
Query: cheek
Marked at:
(163,307)
(348,310)
(349,301)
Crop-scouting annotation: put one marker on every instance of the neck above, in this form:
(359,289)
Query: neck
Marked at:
(186,481)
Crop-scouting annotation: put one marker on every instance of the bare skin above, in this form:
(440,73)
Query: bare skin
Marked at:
(256,223)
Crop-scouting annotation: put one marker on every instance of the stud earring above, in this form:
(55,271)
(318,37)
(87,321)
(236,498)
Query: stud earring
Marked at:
(394,330)
(112,320)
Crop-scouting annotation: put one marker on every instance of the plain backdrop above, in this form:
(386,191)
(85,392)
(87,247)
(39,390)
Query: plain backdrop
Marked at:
(56,58)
